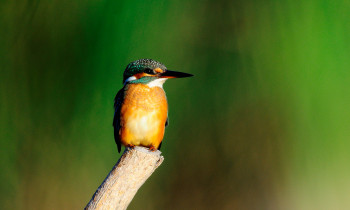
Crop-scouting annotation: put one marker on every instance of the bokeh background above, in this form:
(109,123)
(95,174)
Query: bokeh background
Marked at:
(264,124)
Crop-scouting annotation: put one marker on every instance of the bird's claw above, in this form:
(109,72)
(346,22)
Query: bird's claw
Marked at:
(131,146)
(152,149)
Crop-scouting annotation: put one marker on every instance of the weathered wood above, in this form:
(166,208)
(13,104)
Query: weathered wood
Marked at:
(127,176)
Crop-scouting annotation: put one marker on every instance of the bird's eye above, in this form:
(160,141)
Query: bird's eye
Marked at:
(149,71)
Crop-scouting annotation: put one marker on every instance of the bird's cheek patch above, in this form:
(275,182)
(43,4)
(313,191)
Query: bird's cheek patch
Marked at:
(140,75)
(158,70)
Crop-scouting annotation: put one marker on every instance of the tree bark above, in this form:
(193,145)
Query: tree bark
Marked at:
(127,176)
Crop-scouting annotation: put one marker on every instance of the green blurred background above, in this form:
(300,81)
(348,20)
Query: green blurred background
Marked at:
(264,124)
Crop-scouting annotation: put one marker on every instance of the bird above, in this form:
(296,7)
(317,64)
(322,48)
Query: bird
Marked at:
(140,106)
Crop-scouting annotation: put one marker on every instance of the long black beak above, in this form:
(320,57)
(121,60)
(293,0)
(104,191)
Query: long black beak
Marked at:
(174,74)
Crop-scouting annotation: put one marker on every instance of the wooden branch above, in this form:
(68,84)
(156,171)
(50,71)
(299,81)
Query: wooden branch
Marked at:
(127,176)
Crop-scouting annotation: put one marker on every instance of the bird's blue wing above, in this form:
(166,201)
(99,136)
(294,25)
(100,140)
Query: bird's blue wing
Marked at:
(116,120)
(166,124)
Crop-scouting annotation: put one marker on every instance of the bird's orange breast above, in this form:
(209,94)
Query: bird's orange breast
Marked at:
(144,112)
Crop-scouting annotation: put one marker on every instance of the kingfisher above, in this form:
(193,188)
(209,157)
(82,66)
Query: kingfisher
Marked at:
(141,107)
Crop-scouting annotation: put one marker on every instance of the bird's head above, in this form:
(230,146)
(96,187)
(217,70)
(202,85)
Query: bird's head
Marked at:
(150,72)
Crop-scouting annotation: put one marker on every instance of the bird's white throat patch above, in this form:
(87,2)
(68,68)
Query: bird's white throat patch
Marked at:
(130,79)
(157,82)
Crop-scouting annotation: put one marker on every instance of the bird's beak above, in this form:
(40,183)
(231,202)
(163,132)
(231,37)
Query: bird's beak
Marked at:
(174,74)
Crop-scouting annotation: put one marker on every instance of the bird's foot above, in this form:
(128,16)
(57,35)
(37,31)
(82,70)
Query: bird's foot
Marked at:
(131,146)
(152,149)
